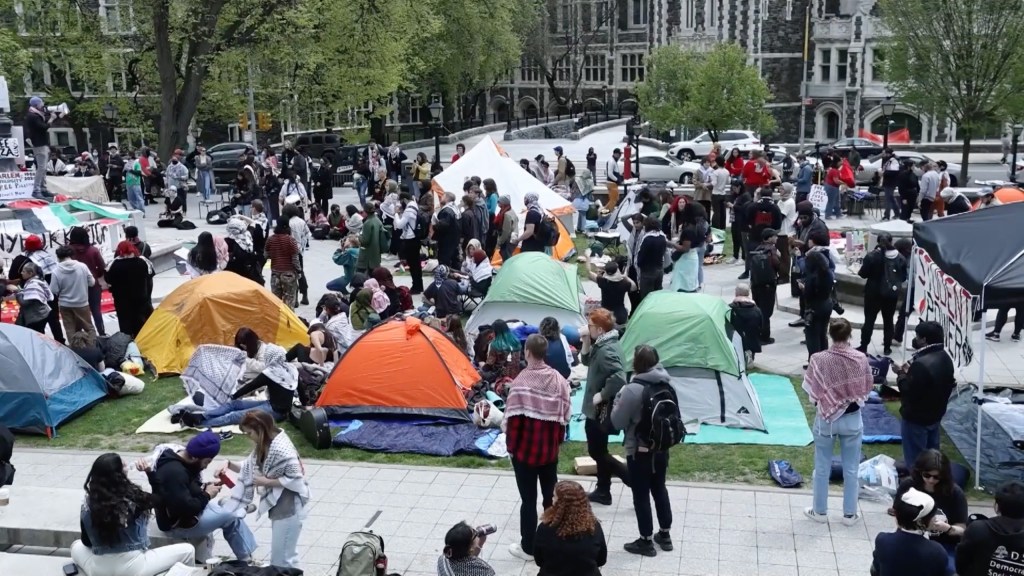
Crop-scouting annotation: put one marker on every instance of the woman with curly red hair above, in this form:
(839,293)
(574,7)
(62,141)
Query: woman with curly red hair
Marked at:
(569,539)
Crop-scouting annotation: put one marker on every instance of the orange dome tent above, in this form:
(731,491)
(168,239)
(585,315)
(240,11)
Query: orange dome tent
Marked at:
(400,368)
(210,310)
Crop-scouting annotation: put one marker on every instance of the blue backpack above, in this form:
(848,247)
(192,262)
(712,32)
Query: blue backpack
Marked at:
(783,473)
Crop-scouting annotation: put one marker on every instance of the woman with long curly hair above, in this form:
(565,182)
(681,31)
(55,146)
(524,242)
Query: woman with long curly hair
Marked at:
(569,539)
(115,527)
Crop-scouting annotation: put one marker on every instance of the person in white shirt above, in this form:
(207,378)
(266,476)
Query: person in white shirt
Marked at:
(55,166)
(930,180)
(613,174)
(409,250)
(721,181)
(945,181)
(787,205)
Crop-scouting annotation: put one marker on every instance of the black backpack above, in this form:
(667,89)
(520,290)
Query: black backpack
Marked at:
(762,273)
(892,276)
(421,229)
(661,426)
(570,168)
(551,230)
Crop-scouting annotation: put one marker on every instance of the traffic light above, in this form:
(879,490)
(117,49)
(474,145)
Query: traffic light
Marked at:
(243,121)
(263,121)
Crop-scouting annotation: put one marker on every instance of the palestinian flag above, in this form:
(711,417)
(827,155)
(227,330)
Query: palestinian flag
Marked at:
(44,219)
(109,212)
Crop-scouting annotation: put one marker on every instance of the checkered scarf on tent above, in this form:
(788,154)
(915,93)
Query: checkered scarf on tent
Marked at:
(214,370)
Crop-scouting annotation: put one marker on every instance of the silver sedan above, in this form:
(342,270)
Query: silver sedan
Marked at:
(664,168)
(870,168)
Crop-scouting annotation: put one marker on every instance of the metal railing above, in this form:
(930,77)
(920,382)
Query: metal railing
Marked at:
(411,133)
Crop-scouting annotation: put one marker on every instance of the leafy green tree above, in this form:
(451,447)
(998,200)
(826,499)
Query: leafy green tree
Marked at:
(715,90)
(961,59)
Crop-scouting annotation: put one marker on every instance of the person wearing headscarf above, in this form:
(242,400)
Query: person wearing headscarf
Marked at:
(361,308)
(443,293)
(46,265)
(130,278)
(581,192)
(477,272)
(531,240)
(507,223)
(379,301)
(387,283)
(241,255)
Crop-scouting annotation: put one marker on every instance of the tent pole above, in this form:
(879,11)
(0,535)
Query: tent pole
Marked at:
(908,305)
(981,391)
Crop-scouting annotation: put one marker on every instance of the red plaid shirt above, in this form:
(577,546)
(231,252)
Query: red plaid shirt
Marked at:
(533,442)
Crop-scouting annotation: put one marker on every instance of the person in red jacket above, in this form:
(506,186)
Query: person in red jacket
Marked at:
(84,252)
(734,163)
(756,173)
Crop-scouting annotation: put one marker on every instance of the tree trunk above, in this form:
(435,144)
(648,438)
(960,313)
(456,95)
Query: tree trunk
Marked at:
(965,155)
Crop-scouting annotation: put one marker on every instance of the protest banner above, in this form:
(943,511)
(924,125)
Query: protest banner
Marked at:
(942,299)
(16,185)
(818,197)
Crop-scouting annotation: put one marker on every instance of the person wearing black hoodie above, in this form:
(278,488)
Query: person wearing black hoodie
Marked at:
(182,502)
(992,546)
(885,272)
(761,215)
(925,385)
(909,187)
(746,319)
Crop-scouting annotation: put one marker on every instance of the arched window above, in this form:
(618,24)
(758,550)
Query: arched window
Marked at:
(832,128)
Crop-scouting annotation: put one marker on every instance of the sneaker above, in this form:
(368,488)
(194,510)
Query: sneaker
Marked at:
(600,497)
(1015,337)
(850,520)
(305,300)
(887,351)
(993,336)
(663,539)
(798,323)
(862,349)
(516,550)
(767,341)
(641,547)
(743,276)
(810,513)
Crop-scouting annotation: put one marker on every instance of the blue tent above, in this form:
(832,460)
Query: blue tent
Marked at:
(42,382)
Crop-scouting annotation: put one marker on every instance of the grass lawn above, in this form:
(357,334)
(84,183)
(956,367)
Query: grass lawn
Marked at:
(111,426)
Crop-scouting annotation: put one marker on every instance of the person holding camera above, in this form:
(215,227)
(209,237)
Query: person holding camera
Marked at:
(37,129)
(461,555)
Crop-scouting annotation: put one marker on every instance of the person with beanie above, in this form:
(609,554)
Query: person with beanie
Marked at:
(183,504)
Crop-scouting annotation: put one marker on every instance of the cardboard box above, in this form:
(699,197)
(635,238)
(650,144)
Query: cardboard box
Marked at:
(585,465)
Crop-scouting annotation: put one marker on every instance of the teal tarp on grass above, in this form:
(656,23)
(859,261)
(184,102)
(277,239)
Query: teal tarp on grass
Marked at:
(784,419)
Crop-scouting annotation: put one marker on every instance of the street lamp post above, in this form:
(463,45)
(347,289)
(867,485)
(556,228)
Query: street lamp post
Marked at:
(604,100)
(1013,150)
(110,113)
(436,109)
(888,109)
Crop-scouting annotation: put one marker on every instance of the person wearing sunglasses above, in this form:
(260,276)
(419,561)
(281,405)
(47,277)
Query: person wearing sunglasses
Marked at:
(933,474)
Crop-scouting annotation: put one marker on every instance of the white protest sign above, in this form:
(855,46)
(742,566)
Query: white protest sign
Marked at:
(15,185)
(10,148)
(818,197)
(942,299)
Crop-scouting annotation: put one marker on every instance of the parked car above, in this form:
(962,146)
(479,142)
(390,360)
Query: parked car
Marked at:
(657,168)
(871,167)
(318,143)
(701,145)
(778,153)
(228,148)
(865,147)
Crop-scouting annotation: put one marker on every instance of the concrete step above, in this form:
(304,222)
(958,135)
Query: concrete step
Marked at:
(16,564)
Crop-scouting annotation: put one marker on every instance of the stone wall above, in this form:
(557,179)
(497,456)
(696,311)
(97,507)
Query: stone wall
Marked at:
(551,130)
(584,132)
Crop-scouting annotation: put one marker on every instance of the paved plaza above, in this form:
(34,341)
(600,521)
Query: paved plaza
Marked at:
(718,530)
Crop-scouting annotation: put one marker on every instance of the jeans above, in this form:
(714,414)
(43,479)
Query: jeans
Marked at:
(506,250)
(647,478)
(700,264)
(764,297)
(848,429)
(917,438)
(834,206)
(719,212)
(339,284)
(926,208)
(95,295)
(231,413)
(891,204)
(527,478)
(872,306)
(362,184)
(41,155)
(204,181)
(237,534)
(273,207)
(1003,314)
(597,448)
(136,563)
(581,205)
(284,538)
(135,198)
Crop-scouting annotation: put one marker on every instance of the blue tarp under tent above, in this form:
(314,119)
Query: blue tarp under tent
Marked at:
(43,383)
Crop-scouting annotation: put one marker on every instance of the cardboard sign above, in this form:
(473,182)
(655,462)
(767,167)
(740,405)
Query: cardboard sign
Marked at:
(942,299)
(16,185)
(818,197)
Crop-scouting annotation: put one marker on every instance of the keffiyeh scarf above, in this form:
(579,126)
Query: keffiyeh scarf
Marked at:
(239,232)
(440,274)
(836,378)
(283,464)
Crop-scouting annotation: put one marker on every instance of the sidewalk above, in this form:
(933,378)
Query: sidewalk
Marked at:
(718,530)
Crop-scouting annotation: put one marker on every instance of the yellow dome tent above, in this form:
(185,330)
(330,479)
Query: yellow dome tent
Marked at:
(210,310)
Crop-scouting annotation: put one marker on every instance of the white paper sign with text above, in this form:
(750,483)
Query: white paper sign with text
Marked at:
(940,298)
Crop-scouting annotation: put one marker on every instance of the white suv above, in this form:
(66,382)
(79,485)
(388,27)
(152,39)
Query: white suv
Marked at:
(701,145)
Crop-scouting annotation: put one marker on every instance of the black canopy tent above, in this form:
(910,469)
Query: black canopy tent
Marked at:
(982,250)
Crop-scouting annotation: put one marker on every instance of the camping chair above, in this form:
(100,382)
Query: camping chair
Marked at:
(218,200)
(472,297)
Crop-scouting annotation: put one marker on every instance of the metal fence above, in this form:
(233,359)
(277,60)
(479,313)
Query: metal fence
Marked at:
(411,133)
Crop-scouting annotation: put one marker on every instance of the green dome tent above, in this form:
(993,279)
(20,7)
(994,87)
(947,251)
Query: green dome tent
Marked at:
(529,287)
(704,360)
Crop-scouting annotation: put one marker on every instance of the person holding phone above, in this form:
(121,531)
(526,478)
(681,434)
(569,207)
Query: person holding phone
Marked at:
(461,554)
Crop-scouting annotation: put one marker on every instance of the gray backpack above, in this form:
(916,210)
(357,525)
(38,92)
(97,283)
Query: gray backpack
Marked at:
(363,555)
